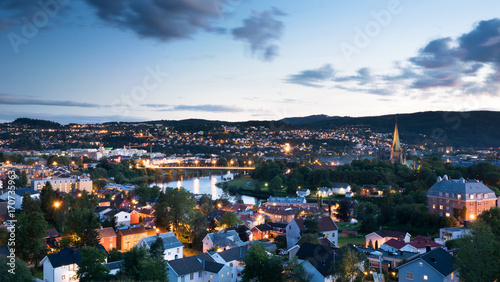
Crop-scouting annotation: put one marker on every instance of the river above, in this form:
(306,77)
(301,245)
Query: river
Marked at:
(202,185)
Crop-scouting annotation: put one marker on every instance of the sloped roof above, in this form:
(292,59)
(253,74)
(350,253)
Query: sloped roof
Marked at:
(263,227)
(225,238)
(114,265)
(68,256)
(421,242)
(439,259)
(132,231)
(106,232)
(22,191)
(186,265)
(395,243)
(325,223)
(390,233)
(460,186)
(169,240)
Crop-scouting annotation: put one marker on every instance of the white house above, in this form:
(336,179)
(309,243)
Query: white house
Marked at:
(379,237)
(451,233)
(326,226)
(224,240)
(17,196)
(172,246)
(303,192)
(340,188)
(63,266)
(324,192)
(122,218)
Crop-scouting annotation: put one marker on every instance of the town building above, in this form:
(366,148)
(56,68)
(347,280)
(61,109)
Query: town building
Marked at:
(173,248)
(65,185)
(447,197)
(379,237)
(326,226)
(436,265)
(128,237)
(18,194)
(397,153)
(107,237)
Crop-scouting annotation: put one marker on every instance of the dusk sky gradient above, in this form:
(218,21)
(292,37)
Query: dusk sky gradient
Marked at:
(130,60)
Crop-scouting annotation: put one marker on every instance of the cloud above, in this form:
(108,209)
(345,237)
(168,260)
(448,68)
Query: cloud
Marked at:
(204,108)
(260,30)
(313,76)
(9,99)
(466,65)
(165,20)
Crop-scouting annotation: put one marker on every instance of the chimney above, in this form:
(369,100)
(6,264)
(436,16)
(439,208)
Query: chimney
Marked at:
(427,248)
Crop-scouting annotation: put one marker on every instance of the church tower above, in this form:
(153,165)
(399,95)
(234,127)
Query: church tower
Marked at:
(397,153)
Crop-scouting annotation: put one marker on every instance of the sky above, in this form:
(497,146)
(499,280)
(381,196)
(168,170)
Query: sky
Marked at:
(87,61)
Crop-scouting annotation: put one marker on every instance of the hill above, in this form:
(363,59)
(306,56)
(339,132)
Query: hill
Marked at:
(460,129)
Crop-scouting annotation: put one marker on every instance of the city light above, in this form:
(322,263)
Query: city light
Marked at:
(57,204)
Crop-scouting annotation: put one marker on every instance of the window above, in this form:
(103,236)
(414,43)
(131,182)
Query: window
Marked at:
(426,277)
(409,275)
(452,275)
(471,196)
(447,194)
(211,276)
(200,273)
(420,264)
(459,196)
(183,278)
(440,207)
(63,277)
(486,197)
(177,250)
(191,276)
(471,204)
(327,235)
(433,206)
(231,264)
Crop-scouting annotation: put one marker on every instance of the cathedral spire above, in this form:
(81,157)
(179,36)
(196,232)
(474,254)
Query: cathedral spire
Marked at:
(396,145)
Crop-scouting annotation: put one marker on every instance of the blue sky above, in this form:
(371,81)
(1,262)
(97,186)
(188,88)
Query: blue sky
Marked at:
(95,61)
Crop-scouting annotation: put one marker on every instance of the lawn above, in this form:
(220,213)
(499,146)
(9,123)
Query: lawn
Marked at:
(349,226)
(242,182)
(354,240)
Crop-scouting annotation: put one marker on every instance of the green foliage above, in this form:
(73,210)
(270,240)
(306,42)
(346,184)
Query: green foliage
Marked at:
(346,268)
(311,226)
(146,193)
(261,266)
(479,255)
(174,207)
(280,241)
(91,268)
(30,205)
(198,230)
(229,219)
(157,249)
(82,225)
(294,272)
(115,255)
(275,184)
(31,229)
(21,271)
(343,212)
(310,238)
(138,265)
(48,197)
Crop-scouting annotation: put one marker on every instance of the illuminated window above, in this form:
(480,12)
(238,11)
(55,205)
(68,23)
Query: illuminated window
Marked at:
(433,206)
(471,196)
(426,277)
(420,264)
(409,275)
(452,275)
(440,207)
(459,196)
(448,214)
(486,197)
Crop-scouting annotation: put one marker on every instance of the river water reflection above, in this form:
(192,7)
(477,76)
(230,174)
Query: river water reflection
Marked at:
(201,185)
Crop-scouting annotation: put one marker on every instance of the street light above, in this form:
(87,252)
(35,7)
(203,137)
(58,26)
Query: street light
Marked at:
(57,204)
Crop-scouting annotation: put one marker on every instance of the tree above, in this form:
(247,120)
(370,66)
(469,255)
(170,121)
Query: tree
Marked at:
(343,212)
(83,224)
(115,255)
(24,179)
(376,245)
(91,268)
(261,266)
(47,197)
(30,205)
(346,268)
(292,186)
(295,272)
(21,273)
(198,230)
(275,184)
(229,219)
(138,265)
(310,238)
(212,224)
(206,204)
(174,207)
(31,229)
(479,255)
(157,248)
(370,244)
